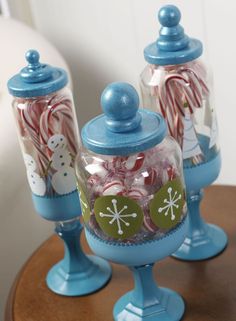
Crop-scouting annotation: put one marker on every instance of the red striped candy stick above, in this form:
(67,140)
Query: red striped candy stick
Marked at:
(30,121)
(115,187)
(59,119)
(185,87)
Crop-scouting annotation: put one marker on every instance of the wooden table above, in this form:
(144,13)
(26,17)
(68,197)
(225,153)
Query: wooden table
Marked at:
(208,287)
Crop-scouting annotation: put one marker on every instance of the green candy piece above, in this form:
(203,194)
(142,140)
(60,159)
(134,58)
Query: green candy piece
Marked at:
(84,205)
(118,216)
(167,204)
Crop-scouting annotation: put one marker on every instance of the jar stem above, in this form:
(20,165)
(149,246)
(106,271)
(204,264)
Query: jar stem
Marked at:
(76,274)
(203,240)
(147,301)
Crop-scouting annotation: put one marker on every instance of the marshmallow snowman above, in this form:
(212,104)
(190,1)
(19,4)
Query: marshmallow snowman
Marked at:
(36,183)
(63,181)
(57,142)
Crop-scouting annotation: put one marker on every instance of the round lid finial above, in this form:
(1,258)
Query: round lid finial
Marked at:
(169,16)
(32,56)
(35,71)
(172,36)
(122,129)
(172,46)
(120,103)
(36,79)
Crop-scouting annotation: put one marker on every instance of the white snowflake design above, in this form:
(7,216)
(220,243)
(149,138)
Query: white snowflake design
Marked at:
(171,203)
(117,215)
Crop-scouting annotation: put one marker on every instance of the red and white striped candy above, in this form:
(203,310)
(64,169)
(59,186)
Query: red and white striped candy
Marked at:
(148,177)
(168,174)
(98,169)
(171,173)
(29,122)
(147,221)
(93,180)
(115,165)
(115,187)
(94,183)
(58,117)
(151,179)
(137,193)
(134,162)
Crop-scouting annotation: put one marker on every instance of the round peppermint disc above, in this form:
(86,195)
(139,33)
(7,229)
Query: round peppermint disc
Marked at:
(118,216)
(84,205)
(167,205)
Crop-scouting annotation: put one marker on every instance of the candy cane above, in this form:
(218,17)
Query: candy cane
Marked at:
(181,87)
(41,118)
(44,124)
(69,133)
(59,118)
(33,133)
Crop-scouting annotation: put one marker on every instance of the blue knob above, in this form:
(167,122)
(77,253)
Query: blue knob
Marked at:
(173,46)
(32,56)
(35,71)
(120,103)
(172,36)
(36,79)
(169,16)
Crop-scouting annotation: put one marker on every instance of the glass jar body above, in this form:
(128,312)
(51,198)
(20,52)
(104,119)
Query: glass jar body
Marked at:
(47,131)
(183,95)
(121,195)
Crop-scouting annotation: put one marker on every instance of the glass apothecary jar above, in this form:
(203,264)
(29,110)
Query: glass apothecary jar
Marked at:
(48,133)
(176,83)
(132,188)
(132,196)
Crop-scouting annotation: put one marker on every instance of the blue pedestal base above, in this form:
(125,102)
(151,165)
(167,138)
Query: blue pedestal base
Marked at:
(169,307)
(82,282)
(203,244)
(147,302)
(203,240)
(77,274)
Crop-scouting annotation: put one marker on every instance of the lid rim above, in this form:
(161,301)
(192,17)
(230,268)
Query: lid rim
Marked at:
(36,79)
(173,46)
(125,148)
(39,89)
(163,58)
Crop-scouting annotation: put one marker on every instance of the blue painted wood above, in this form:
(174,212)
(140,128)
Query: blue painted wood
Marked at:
(59,208)
(36,79)
(122,129)
(147,301)
(173,46)
(77,274)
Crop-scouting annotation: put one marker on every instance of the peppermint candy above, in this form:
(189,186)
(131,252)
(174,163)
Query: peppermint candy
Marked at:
(98,169)
(137,193)
(148,177)
(134,162)
(116,166)
(169,174)
(115,187)
(150,226)
(137,177)
(95,185)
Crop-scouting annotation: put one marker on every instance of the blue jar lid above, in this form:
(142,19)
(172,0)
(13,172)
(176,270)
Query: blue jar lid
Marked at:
(122,129)
(36,79)
(173,46)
